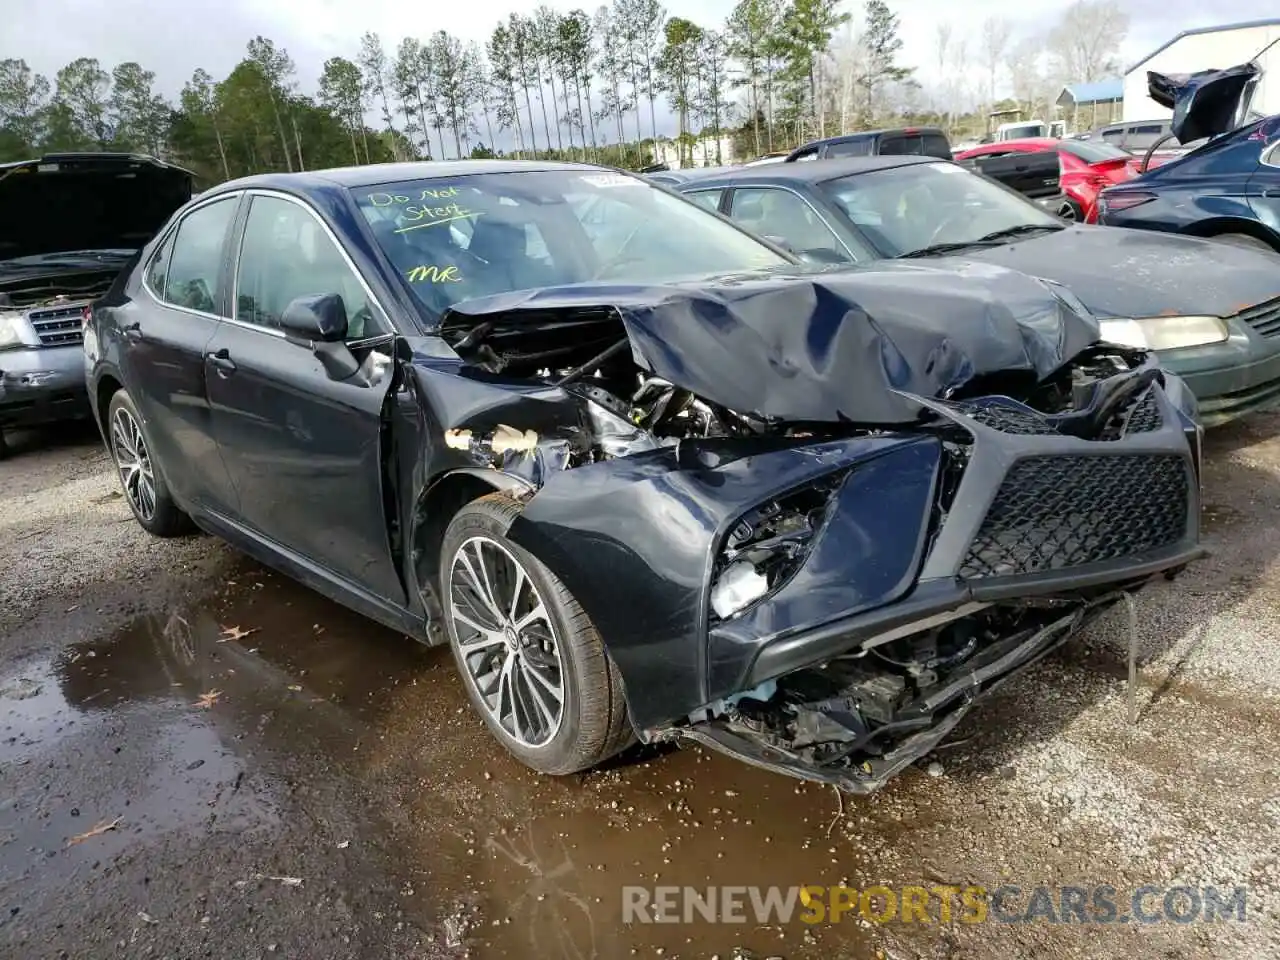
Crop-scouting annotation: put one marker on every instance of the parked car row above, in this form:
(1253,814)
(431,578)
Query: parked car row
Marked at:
(800,470)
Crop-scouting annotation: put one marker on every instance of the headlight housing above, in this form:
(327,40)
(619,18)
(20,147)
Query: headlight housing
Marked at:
(1163,333)
(11,332)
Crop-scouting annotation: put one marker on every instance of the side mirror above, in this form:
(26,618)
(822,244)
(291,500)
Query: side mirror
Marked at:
(320,322)
(782,242)
(321,318)
(823,255)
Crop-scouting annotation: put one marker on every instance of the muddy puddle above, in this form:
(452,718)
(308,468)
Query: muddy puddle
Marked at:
(262,692)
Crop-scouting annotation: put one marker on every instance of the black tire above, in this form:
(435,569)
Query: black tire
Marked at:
(166,519)
(594,724)
(1244,240)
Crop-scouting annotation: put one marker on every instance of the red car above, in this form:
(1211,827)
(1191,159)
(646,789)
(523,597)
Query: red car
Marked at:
(1087,167)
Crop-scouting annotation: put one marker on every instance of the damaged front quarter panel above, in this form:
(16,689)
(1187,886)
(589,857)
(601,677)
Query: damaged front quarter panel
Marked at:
(815,517)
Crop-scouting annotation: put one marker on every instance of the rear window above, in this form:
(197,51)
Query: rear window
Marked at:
(850,148)
(1092,152)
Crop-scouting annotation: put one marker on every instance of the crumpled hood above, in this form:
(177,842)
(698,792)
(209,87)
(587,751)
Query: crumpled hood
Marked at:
(1143,273)
(1204,104)
(85,202)
(814,346)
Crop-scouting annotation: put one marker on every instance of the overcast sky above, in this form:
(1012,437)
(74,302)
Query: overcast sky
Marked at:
(174,37)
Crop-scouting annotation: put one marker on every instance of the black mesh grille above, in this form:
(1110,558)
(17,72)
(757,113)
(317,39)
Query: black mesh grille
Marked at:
(1264,318)
(1008,419)
(1142,415)
(1067,511)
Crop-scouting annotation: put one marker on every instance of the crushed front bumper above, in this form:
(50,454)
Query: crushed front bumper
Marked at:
(927,723)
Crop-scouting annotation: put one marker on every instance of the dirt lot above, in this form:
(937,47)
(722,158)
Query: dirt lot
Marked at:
(310,785)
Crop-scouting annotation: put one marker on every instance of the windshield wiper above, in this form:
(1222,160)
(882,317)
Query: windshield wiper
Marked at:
(995,238)
(1021,228)
(935,249)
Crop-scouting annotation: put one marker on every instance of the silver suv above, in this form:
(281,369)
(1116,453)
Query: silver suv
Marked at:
(68,224)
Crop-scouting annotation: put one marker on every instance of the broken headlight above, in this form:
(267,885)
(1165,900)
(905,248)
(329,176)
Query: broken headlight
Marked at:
(767,546)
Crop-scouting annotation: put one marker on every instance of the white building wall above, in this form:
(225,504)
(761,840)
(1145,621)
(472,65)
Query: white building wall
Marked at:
(1206,51)
(703,151)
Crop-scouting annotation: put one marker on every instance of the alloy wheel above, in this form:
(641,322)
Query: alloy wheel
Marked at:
(133,460)
(507,641)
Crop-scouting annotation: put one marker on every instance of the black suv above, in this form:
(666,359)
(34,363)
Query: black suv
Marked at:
(897,141)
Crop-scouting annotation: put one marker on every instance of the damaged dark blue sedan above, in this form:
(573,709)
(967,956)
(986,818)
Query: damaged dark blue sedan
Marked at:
(647,475)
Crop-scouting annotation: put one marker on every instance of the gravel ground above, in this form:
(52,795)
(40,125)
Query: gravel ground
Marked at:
(316,786)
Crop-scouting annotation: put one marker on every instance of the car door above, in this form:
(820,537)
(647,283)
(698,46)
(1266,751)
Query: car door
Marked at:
(165,329)
(304,451)
(778,212)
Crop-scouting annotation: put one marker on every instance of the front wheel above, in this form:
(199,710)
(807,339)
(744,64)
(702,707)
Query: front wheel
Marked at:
(531,659)
(144,488)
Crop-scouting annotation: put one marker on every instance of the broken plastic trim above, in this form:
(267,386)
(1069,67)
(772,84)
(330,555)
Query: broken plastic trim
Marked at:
(932,716)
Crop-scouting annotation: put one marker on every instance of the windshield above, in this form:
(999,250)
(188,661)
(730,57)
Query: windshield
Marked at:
(904,209)
(457,238)
(1093,152)
(1019,131)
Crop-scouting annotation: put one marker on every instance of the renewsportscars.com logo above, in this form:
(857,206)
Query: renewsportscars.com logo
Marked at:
(1103,904)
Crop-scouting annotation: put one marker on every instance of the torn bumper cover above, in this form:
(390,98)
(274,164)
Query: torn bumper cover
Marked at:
(941,481)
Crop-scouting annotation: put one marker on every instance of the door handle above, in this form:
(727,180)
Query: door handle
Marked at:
(222,361)
(132,330)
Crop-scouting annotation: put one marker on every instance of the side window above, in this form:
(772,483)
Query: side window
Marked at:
(901,146)
(1113,135)
(195,264)
(287,254)
(778,213)
(936,146)
(849,148)
(159,266)
(707,198)
(1271,157)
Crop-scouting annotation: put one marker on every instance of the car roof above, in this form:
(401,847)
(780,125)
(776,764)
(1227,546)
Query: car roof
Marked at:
(814,171)
(689,173)
(371,175)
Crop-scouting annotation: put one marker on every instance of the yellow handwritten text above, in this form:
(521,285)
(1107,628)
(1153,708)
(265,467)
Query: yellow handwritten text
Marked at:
(428,273)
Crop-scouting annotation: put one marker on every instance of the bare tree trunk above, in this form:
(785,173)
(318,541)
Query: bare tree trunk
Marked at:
(555,109)
(297,141)
(591,119)
(222,151)
(284,141)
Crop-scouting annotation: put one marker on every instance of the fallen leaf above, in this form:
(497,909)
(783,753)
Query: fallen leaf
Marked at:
(207,700)
(147,918)
(295,688)
(344,844)
(96,831)
(235,633)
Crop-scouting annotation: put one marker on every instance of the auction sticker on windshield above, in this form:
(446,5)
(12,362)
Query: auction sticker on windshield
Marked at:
(610,180)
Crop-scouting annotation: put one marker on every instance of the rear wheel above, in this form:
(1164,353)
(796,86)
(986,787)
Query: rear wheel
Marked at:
(144,488)
(532,662)
(1243,240)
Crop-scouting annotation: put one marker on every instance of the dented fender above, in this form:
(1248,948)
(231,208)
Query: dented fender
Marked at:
(635,540)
